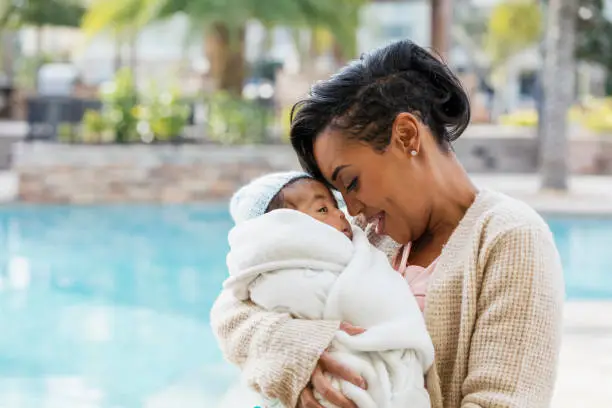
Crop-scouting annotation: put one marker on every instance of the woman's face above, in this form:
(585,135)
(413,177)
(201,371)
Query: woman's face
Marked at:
(389,188)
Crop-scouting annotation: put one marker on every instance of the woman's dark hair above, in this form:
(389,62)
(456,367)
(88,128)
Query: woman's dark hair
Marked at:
(364,98)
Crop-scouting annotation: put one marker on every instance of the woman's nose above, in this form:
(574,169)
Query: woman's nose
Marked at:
(353,206)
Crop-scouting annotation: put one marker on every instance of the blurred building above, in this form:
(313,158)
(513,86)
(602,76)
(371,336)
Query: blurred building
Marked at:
(165,45)
(163,49)
(383,22)
(158,49)
(517,81)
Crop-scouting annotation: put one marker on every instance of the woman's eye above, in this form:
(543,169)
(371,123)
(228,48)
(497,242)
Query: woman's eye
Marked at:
(352,185)
(323,210)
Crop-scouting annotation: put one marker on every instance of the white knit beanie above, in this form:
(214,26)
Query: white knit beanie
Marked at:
(252,200)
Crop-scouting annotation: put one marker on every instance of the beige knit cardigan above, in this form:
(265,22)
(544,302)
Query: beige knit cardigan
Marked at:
(493,310)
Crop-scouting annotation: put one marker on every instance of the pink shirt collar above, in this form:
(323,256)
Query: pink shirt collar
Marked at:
(417,276)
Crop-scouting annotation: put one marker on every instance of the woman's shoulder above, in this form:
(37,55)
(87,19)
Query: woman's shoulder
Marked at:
(509,232)
(518,244)
(495,216)
(502,211)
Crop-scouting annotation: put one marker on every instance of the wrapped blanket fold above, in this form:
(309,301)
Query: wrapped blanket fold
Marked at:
(286,261)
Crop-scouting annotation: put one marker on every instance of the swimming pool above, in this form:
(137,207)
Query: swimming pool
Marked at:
(107,307)
(584,246)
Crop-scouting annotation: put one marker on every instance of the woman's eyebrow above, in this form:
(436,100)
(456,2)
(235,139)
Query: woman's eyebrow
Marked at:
(337,171)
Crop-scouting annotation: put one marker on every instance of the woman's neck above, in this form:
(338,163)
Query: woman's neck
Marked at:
(454,193)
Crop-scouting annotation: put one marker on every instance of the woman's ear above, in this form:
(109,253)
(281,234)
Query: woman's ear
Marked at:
(405,134)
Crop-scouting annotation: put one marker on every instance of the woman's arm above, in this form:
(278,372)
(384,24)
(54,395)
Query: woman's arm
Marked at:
(277,354)
(516,341)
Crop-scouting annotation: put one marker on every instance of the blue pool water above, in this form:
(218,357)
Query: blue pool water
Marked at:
(586,254)
(108,306)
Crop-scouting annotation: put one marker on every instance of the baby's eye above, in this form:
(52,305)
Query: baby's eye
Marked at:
(323,210)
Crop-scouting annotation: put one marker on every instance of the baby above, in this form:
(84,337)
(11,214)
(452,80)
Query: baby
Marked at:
(293,251)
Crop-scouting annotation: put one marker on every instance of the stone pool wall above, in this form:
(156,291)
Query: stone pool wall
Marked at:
(87,174)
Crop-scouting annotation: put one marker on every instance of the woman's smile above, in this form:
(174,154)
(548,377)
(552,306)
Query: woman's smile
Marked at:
(378,220)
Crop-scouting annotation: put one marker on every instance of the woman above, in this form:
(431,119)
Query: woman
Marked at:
(484,265)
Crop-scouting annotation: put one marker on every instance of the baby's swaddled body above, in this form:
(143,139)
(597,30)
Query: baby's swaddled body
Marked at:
(286,261)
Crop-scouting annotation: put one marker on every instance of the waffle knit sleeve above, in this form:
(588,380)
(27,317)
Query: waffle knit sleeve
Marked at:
(516,340)
(276,353)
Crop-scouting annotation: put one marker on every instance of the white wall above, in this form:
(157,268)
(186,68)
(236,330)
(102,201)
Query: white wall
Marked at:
(158,46)
(386,22)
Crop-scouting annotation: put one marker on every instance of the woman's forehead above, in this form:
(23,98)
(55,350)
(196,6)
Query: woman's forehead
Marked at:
(333,150)
(330,149)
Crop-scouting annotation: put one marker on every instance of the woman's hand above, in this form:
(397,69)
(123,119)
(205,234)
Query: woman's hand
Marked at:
(320,382)
(350,329)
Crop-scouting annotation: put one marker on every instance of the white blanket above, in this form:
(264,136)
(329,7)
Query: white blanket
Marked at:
(288,262)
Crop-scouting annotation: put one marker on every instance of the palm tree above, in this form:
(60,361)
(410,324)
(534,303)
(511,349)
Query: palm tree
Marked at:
(6,53)
(40,13)
(224,24)
(441,21)
(594,33)
(559,81)
(15,14)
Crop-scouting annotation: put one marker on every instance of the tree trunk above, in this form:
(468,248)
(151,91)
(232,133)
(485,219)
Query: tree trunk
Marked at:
(339,57)
(133,52)
(559,79)
(39,52)
(540,94)
(225,52)
(540,89)
(441,21)
(8,37)
(117,60)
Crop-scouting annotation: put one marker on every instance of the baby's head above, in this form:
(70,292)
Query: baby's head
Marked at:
(292,190)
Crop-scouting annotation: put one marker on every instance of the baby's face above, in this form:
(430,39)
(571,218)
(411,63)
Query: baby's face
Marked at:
(313,198)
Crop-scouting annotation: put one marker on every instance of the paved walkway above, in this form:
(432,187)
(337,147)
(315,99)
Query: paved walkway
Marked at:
(586,195)
(13,128)
(8,186)
(585,372)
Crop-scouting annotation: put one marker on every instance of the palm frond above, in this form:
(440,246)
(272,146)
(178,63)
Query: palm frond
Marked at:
(42,12)
(120,14)
(337,16)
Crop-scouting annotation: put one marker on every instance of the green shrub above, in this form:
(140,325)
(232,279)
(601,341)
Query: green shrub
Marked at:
(96,128)
(65,132)
(120,99)
(594,114)
(233,120)
(162,115)
(524,118)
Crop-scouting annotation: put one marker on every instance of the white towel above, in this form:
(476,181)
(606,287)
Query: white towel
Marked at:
(288,262)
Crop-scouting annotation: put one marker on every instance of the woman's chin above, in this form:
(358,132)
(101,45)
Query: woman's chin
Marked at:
(383,226)
(396,235)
